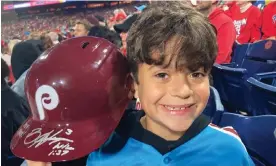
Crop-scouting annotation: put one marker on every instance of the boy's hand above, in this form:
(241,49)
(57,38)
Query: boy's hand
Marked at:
(38,163)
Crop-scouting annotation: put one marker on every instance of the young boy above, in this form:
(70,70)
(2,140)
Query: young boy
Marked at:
(171,50)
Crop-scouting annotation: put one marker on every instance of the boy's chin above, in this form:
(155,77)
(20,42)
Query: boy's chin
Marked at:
(179,128)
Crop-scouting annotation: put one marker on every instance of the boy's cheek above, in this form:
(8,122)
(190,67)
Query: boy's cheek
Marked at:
(203,92)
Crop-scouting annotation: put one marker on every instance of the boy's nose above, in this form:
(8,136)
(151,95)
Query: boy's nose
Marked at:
(180,87)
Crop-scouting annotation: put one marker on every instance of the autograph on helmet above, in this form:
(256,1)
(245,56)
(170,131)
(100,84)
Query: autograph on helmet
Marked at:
(50,138)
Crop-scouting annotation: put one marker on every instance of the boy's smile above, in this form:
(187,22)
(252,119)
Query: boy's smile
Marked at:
(178,109)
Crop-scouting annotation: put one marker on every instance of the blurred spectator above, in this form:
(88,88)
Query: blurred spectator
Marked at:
(23,27)
(23,55)
(4,53)
(54,37)
(4,72)
(123,28)
(35,36)
(101,19)
(14,111)
(7,57)
(226,33)
(104,32)
(140,8)
(46,42)
(11,44)
(61,38)
(119,15)
(229,7)
(268,21)
(82,28)
(92,19)
(246,20)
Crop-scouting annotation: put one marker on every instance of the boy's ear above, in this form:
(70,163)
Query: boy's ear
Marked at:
(134,87)
(135,90)
(130,86)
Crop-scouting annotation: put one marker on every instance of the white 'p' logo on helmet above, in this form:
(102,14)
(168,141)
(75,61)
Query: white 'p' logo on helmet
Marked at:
(41,101)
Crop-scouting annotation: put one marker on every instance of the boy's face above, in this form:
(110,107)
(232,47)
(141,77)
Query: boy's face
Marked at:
(171,99)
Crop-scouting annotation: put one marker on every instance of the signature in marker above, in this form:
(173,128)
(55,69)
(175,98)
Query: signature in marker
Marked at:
(61,149)
(51,137)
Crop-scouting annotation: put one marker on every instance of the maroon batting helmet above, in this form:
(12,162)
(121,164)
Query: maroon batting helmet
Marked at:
(77,92)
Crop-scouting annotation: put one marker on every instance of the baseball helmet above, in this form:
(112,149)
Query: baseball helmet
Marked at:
(77,92)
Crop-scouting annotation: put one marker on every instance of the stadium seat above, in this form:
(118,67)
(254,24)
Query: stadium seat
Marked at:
(260,57)
(253,67)
(231,80)
(262,50)
(239,52)
(214,107)
(263,93)
(230,84)
(258,133)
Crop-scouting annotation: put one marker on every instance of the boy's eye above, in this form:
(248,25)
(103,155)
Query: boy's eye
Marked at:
(162,75)
(197,75)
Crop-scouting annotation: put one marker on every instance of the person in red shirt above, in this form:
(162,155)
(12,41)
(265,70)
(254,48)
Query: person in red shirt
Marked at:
(268,21)
(229,7)
(123,48)
(246,20)
(226,33)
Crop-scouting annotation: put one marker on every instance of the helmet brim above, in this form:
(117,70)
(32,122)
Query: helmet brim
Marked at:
(53,142)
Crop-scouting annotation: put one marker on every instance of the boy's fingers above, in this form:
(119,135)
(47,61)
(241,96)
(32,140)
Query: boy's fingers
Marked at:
(38,163)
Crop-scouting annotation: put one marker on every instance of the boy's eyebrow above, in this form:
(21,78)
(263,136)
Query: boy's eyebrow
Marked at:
(156,66)
(150,68)
(159,66)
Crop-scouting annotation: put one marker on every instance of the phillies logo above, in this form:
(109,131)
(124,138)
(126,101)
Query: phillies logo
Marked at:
(41,104)
(274,19)
(238,24)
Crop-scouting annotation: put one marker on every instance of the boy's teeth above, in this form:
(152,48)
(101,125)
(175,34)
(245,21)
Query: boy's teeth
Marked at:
(175,108)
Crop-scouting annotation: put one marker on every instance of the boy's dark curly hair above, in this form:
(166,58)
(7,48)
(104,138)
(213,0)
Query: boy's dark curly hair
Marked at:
(195,46)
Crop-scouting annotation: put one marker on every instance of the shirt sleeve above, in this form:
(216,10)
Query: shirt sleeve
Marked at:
(225,38)
(268,29)
(256,29)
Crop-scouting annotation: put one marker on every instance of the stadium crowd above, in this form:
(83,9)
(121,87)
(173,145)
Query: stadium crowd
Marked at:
(23,41)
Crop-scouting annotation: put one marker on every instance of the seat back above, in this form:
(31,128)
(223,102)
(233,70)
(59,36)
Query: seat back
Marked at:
(239,53)
(253,67)
(258,133)
(263,50)
(260,57)
(213,106)
(230,85)
(263,95)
